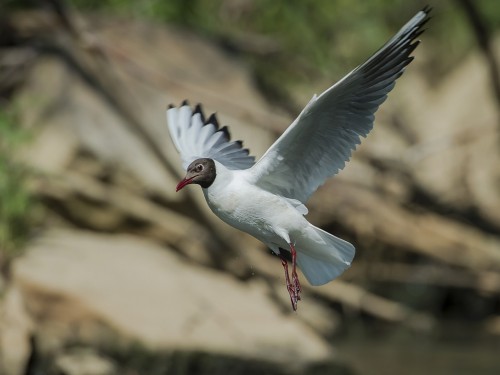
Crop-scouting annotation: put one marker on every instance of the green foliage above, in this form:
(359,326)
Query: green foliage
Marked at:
(312,34)
(15,201)
(315,39)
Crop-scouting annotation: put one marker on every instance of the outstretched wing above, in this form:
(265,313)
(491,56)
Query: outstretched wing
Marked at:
(194,137)
(320,141)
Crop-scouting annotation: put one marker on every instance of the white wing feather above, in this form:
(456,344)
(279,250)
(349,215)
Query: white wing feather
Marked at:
(320,141)
(196,138)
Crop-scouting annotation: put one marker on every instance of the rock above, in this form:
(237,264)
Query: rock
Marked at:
(126,101)
(455,157)
(84,362)
(492,326)
(16,328)
(105,136)
(425,233)
(109,114)
(82,287)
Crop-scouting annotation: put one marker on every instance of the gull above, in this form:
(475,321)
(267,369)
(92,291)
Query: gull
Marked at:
(267,198)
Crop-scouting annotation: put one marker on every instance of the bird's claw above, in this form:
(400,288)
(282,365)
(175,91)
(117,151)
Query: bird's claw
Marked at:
(296,285)
(294,288)
(294,295)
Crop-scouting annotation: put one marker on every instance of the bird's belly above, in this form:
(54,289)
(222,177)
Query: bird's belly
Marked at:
(252,221)
(259,215)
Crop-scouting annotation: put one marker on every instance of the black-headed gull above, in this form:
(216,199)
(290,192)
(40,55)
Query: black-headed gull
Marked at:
(266,199)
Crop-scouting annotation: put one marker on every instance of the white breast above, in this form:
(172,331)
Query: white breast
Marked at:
(253,210)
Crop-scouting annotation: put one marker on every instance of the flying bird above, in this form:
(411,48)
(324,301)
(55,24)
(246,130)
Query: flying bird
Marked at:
(267,198)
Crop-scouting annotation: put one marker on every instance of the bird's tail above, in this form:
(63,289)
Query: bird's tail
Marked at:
(322,257)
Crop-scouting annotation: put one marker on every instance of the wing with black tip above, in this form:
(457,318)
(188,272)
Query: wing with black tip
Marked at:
(194,137)
(320,141)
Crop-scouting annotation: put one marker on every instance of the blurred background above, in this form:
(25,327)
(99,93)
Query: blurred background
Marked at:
(106,270)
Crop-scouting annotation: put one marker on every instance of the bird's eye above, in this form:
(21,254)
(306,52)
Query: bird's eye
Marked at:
(199,167)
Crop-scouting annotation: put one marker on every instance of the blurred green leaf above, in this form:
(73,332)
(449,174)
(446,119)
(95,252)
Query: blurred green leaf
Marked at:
(15,200)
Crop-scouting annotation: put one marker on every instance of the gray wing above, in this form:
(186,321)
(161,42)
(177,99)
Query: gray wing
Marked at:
(194,138)
(320,141)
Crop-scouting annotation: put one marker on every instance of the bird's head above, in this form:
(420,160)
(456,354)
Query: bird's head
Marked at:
(201,172)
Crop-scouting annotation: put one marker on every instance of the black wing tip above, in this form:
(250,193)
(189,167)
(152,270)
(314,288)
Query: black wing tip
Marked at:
(225,130)
(427,9)
(213,120)
(418,27)
(240,145)
(412,47)
(427,17)
(406,43)
(424,21)
(199,109)
(417,34)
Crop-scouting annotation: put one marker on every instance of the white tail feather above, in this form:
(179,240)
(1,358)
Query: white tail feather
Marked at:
(324,258)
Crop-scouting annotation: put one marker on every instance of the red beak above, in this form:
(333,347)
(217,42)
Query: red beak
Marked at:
(183,183)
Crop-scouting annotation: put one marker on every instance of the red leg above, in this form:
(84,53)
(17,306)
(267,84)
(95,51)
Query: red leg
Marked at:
(293,286)
(289,287)
(295,277)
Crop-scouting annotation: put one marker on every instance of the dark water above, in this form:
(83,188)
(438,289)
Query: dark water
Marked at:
(416,356)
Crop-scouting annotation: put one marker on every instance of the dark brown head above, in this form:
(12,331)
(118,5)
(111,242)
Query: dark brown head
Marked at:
(201,172)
